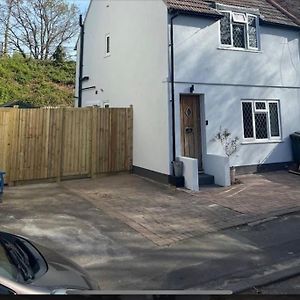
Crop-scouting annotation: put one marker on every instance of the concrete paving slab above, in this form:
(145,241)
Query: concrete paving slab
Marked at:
(260,194)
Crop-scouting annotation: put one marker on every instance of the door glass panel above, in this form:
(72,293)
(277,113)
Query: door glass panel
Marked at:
(188,112)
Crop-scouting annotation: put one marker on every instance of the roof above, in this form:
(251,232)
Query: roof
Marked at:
(195,6)
(19,103)
(290,7)
(268,12)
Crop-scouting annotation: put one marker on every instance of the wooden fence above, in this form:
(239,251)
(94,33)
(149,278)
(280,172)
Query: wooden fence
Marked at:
(57,143)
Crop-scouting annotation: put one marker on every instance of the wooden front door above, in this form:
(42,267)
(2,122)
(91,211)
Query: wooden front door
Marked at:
(190,127)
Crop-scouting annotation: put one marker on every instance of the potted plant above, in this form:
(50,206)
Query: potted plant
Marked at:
(230,146)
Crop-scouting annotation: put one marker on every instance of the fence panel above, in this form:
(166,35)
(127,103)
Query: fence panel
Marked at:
(64,142)
(76,142)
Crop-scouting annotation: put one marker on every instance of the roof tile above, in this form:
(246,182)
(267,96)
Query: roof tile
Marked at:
(268,12)
(291,6)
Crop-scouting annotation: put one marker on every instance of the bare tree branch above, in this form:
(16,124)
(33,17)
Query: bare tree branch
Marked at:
(38,27)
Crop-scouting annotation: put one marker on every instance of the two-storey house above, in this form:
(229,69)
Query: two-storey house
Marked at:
(189,68)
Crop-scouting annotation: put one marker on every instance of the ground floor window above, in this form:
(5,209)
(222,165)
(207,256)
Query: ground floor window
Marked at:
(261,120)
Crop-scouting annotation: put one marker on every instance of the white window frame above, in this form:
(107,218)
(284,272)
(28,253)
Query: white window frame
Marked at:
(267,112)
(246,32)
(107,37)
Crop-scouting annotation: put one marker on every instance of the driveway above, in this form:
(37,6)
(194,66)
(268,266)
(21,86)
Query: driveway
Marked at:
(166,215)
(110,224)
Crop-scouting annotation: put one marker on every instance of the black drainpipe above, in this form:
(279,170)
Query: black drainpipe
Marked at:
(173,86)
(80,61)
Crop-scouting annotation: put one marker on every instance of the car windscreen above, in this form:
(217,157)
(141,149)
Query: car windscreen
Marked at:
(7,268)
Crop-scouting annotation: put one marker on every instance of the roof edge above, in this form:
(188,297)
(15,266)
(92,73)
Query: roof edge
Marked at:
(295,23)
(288,26)
(194,13)
(284,11)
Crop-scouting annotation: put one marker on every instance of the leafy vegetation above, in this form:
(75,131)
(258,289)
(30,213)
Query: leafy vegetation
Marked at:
(43,83)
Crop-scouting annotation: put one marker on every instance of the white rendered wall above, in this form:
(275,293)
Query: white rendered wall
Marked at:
(218,166)
(135,73)
(190,173)
(227,76)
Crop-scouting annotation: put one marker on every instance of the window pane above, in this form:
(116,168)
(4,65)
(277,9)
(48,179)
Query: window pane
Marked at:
(239,35)
(260,105)
(239,17)
(107,44)
(261,127)
(252,32)
(5,291)
(247,119)
(273,107)
(225,29)
(7,268)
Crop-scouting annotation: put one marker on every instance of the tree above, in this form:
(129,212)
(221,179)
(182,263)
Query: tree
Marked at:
(59,55)
(37,27)
(5,17)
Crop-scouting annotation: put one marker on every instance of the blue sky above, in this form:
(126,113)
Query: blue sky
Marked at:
(83,4)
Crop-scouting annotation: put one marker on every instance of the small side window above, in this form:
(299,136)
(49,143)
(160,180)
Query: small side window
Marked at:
(107,44)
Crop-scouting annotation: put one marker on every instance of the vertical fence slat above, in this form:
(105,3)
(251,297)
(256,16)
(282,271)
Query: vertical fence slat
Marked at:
(60,164)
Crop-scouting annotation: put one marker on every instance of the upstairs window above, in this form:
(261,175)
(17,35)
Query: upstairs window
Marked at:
(239,30)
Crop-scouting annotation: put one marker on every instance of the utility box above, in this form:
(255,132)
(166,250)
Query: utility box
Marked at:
(295,138)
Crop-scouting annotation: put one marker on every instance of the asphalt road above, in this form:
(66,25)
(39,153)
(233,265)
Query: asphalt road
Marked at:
(234,259)
(289,286)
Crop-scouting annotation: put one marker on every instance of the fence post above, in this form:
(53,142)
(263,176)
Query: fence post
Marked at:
(60,157)
(12,143)
(130,138)
(93,141)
